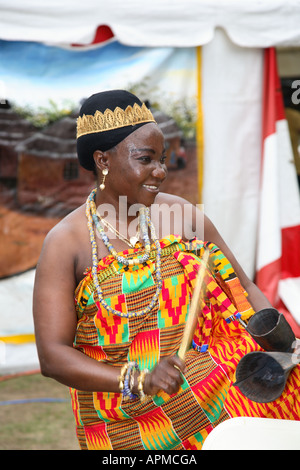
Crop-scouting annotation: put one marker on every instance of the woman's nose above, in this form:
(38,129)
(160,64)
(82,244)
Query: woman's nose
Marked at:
(159,171)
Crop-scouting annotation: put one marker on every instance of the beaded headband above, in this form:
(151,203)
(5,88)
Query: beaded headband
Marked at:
(110,120)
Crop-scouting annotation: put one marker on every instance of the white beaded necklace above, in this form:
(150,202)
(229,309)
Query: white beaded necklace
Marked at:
(145,224)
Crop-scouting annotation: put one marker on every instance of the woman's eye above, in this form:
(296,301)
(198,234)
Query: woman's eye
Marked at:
(148,159)
(145,159)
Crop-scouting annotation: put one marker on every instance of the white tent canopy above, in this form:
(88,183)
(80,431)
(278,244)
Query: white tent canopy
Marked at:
(155,23)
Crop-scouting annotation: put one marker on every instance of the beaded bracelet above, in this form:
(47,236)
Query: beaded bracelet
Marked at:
(126,381)
(129,380)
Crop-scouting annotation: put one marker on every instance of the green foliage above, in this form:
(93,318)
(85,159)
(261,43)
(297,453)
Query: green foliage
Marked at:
(45,115)
(184,114)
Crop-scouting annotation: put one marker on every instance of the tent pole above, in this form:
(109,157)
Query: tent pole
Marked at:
(199,124)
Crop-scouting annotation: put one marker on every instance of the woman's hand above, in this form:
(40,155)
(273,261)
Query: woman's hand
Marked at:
(165,376)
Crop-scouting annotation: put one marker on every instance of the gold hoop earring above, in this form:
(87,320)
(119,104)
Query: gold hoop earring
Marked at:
(104,173)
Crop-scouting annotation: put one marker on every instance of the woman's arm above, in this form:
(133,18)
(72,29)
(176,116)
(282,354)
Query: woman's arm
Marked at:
(256,298)
(55,320)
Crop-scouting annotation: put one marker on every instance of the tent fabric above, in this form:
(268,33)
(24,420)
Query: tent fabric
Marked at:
(232,148)
(155,23)
(18,351)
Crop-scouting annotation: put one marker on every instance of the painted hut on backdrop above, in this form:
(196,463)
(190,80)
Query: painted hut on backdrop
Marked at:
(50,177)
(13,130)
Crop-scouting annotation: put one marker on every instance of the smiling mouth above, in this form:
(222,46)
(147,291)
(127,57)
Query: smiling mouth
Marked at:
(151,187)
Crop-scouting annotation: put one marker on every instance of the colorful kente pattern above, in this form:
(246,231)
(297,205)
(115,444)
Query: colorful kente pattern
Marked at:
(106,421)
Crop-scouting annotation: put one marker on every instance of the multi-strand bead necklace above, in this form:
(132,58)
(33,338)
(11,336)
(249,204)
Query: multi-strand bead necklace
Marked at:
(131,242)
(145,225)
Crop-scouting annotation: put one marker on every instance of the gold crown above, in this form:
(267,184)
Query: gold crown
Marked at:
(109,120)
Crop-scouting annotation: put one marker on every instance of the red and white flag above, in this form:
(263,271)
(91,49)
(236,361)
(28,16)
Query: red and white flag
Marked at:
(278,246)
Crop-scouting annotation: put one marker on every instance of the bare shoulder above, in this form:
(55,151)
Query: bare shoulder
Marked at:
(66,232)
(170,199)
(179,216)
(56,281)
(62,244)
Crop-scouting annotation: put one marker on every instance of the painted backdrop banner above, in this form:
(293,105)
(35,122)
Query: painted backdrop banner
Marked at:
(32,73)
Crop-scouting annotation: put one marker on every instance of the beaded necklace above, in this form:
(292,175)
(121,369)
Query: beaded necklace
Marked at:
(145,224)
(133,240)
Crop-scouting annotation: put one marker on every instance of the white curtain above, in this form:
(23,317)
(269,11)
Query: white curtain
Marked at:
(231,96)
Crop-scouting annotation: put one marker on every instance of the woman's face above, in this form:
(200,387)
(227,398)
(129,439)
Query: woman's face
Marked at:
(137,166)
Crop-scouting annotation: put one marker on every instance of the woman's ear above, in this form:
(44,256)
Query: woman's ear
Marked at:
(101,160)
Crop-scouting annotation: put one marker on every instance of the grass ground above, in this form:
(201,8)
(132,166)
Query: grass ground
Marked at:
(36,425)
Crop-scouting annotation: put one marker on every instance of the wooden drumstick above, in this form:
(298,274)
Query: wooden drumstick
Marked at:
(191,322)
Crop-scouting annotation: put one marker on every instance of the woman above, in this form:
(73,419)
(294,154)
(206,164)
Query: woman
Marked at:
(116,345)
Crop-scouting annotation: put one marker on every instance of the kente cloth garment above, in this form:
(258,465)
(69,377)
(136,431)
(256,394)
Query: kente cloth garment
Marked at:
(207,397)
